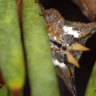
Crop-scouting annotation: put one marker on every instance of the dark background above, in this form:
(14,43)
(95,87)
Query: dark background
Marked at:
(71,12)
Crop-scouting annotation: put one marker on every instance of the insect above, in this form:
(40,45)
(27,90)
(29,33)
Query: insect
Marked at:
(67,41)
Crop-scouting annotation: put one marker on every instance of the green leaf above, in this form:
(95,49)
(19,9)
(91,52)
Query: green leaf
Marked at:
(11,51)
(4,91)
(43,81)
(91,87)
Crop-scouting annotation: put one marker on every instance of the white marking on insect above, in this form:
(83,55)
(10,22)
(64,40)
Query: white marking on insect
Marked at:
(69,30)
(54,38)
(57,63)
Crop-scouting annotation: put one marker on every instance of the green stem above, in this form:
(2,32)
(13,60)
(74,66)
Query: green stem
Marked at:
(11,53)
(91,88)
(41,71)
(3,91)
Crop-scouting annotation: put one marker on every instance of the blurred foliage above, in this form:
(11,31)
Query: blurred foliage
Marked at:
(91,87)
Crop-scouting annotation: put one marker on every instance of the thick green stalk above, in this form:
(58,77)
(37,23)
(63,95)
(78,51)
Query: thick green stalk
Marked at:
(91,88)
(11,53)
(42,75)
(3,91)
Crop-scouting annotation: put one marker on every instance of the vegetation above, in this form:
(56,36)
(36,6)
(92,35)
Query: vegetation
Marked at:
(42,77)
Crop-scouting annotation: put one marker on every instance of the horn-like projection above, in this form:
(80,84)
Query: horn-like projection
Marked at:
(78,47)
(71,59)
